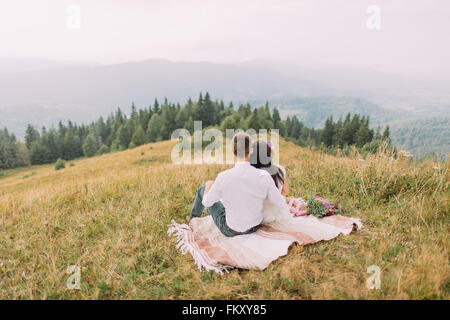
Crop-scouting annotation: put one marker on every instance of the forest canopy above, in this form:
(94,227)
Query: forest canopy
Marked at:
(157,122)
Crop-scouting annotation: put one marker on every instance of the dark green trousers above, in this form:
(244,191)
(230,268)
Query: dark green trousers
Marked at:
(217,212)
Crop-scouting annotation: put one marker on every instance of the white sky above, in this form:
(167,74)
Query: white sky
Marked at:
(414,35)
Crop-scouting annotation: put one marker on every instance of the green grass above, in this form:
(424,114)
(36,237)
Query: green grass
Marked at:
(109,215)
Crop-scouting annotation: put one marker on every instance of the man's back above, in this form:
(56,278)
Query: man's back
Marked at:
(242,190)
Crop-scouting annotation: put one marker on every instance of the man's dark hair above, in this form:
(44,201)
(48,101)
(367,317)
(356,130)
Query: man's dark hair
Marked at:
(241,145)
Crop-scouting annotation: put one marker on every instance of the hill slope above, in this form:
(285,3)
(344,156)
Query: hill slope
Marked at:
(314,110)
(422,136)
(109,215)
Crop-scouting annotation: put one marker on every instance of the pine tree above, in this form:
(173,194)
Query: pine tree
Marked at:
(296,127)
(189,108)
(276,118)
(169,122)
(101,130)
(115,145)
(52,144)
(347,131)
(362,136)
(282,129)
(119,120)
(328,132)
(288,126)
(264,117)
(8,149)
(242,112)
(123,137)
(338,134)
(90,146)
(354,126)
(253,121)
(154,128)
(189,125)
(133,112)
(180,118)
(31,136)
(144,117)
(205,111)
(378,134)
(221,113)
(386,135)
(267,111)
(138,137)
(156,108)
(23,155)
(39,153)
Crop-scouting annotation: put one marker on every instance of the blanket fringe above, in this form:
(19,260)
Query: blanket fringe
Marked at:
(185,243)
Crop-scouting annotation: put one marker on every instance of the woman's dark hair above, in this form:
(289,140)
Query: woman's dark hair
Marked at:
(261,158)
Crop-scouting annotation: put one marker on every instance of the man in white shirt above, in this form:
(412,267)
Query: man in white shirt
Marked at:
(235,199)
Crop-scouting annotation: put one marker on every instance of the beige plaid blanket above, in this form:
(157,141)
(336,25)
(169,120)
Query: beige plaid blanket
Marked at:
(211,250)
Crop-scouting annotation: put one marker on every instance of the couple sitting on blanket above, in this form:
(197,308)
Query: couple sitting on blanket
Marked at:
(252,192)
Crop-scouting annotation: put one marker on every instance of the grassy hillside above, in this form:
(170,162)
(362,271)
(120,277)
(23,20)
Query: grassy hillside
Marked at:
(109,215)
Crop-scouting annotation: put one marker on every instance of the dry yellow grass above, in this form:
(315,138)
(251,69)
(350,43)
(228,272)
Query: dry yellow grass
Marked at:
(109,215)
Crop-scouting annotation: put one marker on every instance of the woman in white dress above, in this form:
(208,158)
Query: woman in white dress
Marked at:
(261,158)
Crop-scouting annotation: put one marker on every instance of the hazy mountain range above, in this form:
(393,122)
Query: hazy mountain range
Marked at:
(43,92)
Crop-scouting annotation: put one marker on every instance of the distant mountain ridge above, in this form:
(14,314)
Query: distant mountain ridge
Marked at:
(313,110)
(45,92)
(15,65)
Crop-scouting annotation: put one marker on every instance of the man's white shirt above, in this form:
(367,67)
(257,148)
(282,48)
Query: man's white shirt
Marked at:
(242,190)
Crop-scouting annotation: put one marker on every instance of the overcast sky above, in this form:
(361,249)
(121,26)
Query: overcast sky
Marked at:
(414,34)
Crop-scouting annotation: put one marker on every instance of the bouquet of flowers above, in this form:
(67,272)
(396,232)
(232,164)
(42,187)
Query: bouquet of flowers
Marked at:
(320,208)
(316,206)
